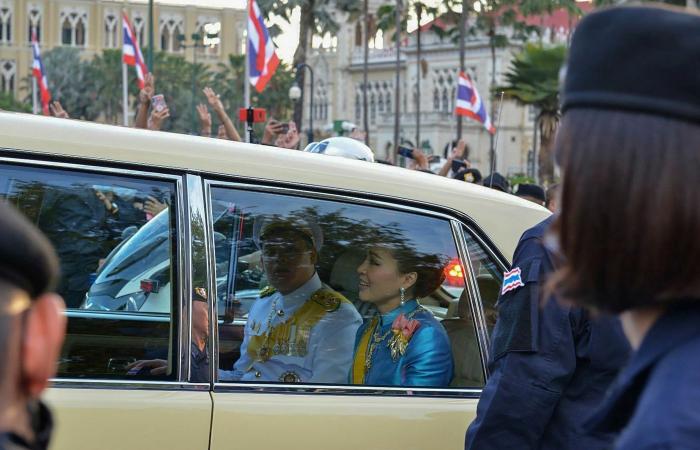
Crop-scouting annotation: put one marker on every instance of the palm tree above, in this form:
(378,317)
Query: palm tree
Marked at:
(533,79)
(316,17)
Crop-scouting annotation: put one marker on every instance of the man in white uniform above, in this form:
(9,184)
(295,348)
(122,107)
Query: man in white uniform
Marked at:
(299,331)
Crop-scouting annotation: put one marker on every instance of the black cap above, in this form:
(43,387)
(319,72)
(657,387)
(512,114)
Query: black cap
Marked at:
(636,58)
(27,258)
(531,190)
(496,181)
(470,175)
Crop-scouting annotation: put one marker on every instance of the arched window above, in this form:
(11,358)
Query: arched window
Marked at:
(34,25)
(210,30)
(436,99)
(138,24)
(380,102)
(372,107)
(358,107)
(110,30)
(388,102)
(445,101)
(5,23)
(8,71)
(358,34)
(73,27)
(171,28)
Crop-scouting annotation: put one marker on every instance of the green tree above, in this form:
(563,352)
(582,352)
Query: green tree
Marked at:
(316,18)
(533,79)
(9,103)
(105,75)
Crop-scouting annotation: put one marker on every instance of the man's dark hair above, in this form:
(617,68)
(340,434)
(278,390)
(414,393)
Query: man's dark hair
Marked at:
(630,210)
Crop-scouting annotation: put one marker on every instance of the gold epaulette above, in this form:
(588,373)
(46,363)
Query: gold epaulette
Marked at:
(267,291)
(328,299)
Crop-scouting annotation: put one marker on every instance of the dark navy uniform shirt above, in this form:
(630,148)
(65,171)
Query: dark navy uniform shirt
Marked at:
(550,364)
(655,403)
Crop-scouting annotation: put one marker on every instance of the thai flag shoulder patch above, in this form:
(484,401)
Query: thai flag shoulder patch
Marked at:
(512,280)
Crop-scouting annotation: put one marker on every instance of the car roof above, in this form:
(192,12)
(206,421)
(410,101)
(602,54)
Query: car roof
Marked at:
(502,217)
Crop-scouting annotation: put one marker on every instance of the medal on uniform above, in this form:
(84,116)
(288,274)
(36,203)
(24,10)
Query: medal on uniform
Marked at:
(264,353)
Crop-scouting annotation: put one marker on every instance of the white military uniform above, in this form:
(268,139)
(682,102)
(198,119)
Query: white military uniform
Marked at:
(306,336)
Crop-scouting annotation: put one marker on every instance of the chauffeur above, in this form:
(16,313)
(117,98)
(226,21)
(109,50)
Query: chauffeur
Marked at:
(299,331)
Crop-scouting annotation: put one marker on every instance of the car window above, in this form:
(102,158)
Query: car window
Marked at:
(303,290)
(114,236)
(489,278)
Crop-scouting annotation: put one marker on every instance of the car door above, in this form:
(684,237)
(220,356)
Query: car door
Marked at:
(125,243)
(269,413)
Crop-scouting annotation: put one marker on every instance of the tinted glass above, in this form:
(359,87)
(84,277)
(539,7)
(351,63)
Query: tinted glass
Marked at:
(115,239)
(275,253)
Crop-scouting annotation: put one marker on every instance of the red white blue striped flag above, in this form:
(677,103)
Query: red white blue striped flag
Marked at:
(262,59)
(40,75)
(469,103)
(131,53)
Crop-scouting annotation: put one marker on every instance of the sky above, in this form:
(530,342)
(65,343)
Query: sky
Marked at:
(287,41)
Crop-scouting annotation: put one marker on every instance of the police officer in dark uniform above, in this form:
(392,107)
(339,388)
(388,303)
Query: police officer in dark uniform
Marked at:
(550,364)
(32,327)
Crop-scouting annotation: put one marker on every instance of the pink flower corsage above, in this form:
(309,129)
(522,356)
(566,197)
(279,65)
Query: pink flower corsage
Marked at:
(402,330)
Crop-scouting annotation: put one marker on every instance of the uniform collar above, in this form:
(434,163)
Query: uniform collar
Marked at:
(674,328)
(407,307)
(303,293)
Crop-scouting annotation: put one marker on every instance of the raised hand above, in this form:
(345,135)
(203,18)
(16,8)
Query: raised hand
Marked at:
(158,117)
(204,119)
(57,110)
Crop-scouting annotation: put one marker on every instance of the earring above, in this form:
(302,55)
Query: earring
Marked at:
(403,296)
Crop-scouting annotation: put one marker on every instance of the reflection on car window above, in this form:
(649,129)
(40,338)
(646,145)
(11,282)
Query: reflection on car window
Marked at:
(114,238)
(315,291)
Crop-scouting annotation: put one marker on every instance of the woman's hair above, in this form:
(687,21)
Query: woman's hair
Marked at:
(630,210)
(430,269)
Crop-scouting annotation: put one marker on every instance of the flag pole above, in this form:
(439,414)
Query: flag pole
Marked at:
(246,81)
(125,94)
(35,100)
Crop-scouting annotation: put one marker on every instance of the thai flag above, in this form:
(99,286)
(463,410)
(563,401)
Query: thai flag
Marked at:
(40,75)
(262,59)
(131,53)
(512,280)
(469,103)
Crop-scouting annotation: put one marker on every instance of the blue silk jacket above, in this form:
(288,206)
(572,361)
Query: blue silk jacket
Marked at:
(426,361)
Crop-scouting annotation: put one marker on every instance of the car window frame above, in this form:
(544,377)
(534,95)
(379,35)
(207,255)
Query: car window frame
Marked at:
(457,222)
(182,257)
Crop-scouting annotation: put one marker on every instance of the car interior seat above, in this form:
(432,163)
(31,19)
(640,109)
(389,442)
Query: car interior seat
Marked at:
(462,333)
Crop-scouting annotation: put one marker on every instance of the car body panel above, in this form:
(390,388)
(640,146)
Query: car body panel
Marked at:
(339,422)
(124,418)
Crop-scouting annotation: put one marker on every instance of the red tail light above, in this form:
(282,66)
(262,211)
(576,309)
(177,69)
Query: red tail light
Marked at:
(454,275)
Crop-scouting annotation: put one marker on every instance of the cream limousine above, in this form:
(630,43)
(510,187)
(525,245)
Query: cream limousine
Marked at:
(156,236)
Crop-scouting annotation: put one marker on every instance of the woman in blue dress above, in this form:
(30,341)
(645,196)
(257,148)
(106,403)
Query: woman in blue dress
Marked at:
(403,344)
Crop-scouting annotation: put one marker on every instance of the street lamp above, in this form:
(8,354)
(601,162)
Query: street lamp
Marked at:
(296,93)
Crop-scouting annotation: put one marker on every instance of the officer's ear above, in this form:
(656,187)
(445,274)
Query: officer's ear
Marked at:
(44,329)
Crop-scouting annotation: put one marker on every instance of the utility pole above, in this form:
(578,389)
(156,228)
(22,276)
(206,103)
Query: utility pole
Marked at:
(150,36)
(462,23)
(365,69)
(419,13)
(397,90)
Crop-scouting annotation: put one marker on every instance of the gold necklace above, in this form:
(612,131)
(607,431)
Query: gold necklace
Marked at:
(376,339)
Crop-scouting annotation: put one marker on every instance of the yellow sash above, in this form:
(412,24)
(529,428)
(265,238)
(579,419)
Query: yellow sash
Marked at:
(291,337)
(358,365)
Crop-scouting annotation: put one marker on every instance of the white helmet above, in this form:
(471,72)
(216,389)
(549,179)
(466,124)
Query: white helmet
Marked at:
(342,146)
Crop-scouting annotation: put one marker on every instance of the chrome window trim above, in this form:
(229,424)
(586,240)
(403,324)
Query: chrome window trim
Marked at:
(97,383)
(386,203)
(198,212)
(213,307)
(180,257)
(336,389)
(475,304)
